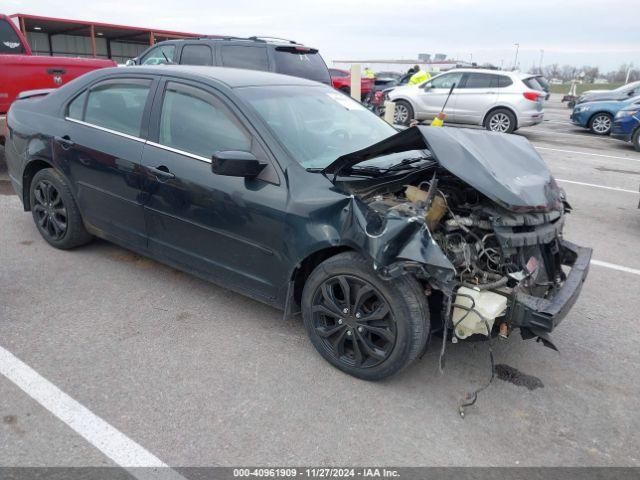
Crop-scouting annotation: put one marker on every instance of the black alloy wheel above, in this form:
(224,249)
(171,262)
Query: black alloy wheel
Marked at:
(354,321)
(49,210)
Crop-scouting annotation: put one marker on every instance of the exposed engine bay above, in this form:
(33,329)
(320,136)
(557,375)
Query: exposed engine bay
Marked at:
(490,247)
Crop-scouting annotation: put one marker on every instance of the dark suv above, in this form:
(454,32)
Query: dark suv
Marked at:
(254,53)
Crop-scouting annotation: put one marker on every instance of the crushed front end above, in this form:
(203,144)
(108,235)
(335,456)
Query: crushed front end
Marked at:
(480,226)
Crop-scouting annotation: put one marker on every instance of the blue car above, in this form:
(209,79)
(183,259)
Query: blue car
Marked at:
(599,116)
(626,124)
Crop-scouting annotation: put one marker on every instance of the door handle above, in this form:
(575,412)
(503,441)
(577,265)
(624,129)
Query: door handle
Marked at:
(162,172)
(65,141)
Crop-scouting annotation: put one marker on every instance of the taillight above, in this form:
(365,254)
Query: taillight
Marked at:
(533,96)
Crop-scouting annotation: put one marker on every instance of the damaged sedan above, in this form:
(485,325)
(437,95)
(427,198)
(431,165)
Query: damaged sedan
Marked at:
(293,194)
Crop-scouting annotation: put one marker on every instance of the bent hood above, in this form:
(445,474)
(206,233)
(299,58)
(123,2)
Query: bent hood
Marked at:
(505,168)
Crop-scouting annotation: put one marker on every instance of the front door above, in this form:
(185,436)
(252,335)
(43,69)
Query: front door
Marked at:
(228,229)
(99,144)
(432,96)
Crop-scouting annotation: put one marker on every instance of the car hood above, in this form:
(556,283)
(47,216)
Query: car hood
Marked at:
(505,168)
(600,95)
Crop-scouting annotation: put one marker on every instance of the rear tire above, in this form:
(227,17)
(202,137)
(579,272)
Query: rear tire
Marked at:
(601,123)
(55,212)
(403,113)
(500,120)
(363,325)
(635,139)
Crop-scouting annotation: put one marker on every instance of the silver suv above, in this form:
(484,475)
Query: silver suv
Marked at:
(500,101)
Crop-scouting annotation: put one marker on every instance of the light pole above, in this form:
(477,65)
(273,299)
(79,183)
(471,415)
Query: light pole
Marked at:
(541,57)
(515,61)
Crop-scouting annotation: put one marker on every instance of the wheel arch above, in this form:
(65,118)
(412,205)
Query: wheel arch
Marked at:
(499,107)
(598,112)
(304,267)
(30,170)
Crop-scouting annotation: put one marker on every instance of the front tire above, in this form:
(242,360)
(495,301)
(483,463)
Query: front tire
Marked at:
(501,121)
(55,212)
(366,326)
(601,123)
(403,113)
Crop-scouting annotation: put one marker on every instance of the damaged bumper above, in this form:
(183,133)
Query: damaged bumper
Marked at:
(544,314)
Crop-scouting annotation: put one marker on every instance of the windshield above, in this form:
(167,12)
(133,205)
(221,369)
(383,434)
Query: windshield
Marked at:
(306,64)
(9,41)
(319,124)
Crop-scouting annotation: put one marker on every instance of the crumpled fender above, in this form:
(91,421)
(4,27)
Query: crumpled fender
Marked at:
(394,241)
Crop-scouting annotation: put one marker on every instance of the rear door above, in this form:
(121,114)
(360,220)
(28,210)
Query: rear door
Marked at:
(431,96)
(227,229)
(196,54)
(100,144)
(477,93)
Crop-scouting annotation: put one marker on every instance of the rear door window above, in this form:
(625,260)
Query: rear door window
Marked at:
(9,40)
(478,80)
(305,63)
(501,81)
(196,122)
(117,105)
(196,55)
(244,56)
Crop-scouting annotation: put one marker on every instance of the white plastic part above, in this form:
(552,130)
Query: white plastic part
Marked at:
(490,305)
(356,86)
(389,111)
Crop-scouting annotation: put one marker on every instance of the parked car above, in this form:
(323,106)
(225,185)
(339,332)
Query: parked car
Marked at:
(498,100)
(296,195)
(20,70)
(381,89)
(626,124)
(598,116)
(255,53)
(341,80)
(621,93)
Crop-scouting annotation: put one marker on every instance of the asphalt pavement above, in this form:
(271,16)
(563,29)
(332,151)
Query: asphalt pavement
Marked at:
(199,376)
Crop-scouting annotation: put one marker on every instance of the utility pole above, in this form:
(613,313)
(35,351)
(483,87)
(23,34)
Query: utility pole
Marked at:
(541,57)
(515,61)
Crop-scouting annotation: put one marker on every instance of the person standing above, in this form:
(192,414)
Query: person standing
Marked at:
(368,73)
(420,76)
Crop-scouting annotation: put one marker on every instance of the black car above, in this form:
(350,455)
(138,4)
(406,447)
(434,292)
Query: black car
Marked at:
(255,53)
(294,194)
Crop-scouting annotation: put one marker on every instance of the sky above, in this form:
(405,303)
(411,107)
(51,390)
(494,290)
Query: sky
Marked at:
(603,33)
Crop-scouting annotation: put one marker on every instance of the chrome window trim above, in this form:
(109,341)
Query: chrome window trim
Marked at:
(108,130)
(178,151)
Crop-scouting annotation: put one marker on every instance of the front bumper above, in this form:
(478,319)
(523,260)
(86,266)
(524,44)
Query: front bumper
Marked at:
(544,314)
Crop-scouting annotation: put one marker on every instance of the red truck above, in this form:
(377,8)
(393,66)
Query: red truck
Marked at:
(20,70)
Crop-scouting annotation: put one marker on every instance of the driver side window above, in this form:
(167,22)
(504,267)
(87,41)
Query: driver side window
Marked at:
(161,55)
(196,122)
(446,80)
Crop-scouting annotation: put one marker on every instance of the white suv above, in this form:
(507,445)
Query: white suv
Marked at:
(500,101)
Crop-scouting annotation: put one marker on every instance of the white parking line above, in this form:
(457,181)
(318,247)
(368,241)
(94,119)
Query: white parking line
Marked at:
(598,186)
(110,441)
(587,153)
(613,266)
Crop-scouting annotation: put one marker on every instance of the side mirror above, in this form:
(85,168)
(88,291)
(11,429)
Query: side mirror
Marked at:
(131,62)
(236,163)
(427,87)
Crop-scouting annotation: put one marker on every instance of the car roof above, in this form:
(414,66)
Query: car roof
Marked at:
(240,40)
(232,77)
(487,70)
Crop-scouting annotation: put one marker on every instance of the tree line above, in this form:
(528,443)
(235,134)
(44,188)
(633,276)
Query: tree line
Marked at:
(587,73)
